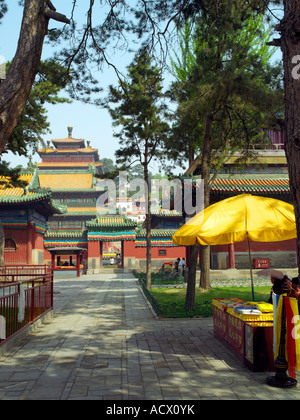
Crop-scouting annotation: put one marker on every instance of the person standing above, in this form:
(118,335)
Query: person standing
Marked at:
(181,266)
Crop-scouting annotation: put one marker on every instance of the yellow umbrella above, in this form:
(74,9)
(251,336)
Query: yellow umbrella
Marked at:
(237,219)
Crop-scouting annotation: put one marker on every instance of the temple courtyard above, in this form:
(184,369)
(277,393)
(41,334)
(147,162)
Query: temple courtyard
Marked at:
(104,343)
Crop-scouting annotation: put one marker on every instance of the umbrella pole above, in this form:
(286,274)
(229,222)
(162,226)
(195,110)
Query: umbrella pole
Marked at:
(250,262)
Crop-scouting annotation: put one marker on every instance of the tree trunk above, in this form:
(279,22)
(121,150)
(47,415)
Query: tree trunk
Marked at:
(147,223)
(191,284)
(15,89)
(2,243)
(290,39)
(148,251)
(205,268)
(205,250)
(205,173)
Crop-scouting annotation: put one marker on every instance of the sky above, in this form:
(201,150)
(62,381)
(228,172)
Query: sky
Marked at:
(89,122)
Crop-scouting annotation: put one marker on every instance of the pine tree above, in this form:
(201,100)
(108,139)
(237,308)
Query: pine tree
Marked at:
(289,28)
(139,113)
(227,95)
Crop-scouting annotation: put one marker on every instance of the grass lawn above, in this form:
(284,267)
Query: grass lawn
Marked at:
(166,295)
(171,301)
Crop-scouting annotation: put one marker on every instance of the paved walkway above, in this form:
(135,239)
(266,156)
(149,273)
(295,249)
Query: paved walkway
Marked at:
(104,343)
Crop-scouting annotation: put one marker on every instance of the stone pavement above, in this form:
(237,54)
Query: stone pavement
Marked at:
(104,343)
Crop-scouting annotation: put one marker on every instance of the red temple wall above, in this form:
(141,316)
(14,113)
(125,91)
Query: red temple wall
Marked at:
(39,241)
(94,249)
(47,256)
(290,245)
(26,241)
(130,250)
(22,255)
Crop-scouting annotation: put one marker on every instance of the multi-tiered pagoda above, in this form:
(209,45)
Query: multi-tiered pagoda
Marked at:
(69,167)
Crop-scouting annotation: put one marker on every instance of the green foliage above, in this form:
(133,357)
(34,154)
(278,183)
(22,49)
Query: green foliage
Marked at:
(223,72)
(138,111)
(11,176)
(3,9)
(108,165)
(114,27)
(86,45)
(50,80)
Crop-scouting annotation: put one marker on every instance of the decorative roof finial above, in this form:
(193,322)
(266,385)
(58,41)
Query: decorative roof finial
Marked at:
(70,130)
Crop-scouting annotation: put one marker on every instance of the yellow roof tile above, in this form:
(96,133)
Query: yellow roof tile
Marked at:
(22,177)
(82,209)
(66,150)
(60,181)
(13,192)
(68,140)
(67,164)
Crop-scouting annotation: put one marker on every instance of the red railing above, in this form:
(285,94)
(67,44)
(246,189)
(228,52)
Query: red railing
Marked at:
(9,273)
(22,302)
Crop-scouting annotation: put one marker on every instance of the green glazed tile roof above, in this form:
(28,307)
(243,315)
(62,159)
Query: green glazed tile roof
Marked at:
(65,233)
(80,213)
(167,213)
(9,199)
(114,221)
(32,194)
(156,233)
(41,200)
(33,198)
(266,186)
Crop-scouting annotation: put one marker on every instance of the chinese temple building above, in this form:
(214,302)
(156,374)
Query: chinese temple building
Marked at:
(54,220)
(122,229)
(266,174)
(68,169)
(24,213)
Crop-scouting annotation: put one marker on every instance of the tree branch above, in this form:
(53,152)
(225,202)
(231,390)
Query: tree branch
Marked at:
(275,43)
(51,7)
(51,14)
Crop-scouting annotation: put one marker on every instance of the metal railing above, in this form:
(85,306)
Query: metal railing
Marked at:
(24,301)
(11,273)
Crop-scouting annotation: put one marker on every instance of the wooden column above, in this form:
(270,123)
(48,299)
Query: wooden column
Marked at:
(53,260)
(231,256)
(78,264)
(30,238)
(122,254)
